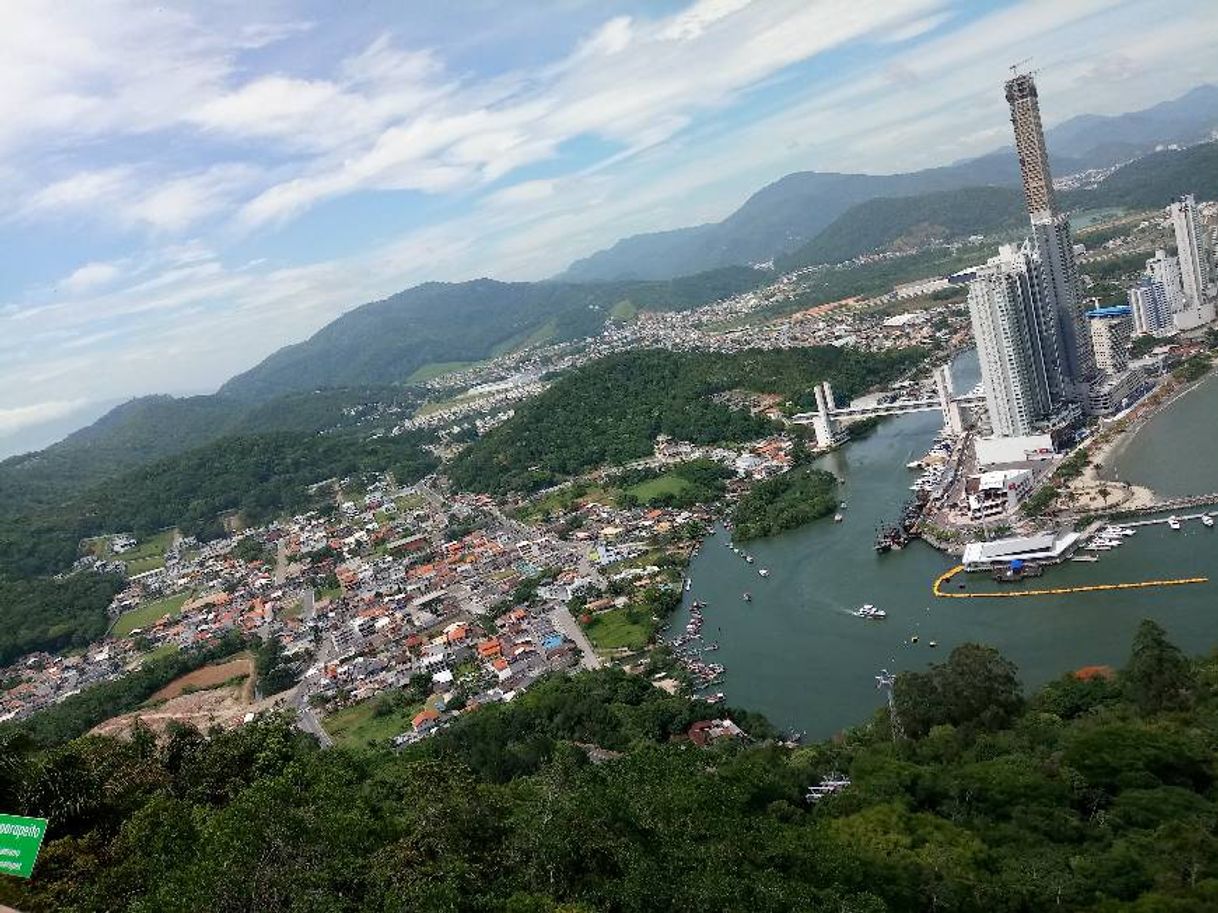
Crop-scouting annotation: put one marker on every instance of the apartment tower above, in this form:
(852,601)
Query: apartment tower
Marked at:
(1005,307)
(1193,251)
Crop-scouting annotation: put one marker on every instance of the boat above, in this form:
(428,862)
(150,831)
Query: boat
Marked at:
(913,639)
(1173,521)
(933,643)
(748,558)
(838,518)
(870,611)
(748,597)
(688,583)
(1087,559)
(764,572)
(1207,520)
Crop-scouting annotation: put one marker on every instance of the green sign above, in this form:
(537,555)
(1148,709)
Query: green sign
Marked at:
(20,839)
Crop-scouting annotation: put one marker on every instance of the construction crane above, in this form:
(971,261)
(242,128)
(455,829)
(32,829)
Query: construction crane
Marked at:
(1014,68)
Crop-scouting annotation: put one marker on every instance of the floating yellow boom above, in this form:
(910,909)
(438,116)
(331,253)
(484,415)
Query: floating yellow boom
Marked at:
(937,589)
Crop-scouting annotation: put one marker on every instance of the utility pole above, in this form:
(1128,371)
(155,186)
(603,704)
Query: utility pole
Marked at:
(885,681)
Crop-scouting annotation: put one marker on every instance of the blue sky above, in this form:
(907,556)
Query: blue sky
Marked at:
(188,187)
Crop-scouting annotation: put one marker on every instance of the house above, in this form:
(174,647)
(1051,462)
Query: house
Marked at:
(425,720)
(707,732)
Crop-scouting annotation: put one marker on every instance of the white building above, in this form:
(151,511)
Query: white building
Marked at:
(998,493)
(1151,312)
(1111,330)
(1166,270)
(1194,260)
(1006,308)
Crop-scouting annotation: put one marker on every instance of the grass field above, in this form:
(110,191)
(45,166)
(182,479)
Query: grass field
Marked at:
(147,555)
(158,652)
(618,628)
(146,614)
(434,369)
(667,484)
(624,311)
(360,726)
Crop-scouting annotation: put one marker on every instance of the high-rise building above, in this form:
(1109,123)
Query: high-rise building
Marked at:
(1194,256)
(1030,145)
(1166,271)
(1111,329)
(1054,244)
(1005,306)
(1151,311)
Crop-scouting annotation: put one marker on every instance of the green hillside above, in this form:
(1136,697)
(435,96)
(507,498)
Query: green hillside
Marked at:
(898,223)
(610,411)
(261,476)
(386,342)
(1156,179)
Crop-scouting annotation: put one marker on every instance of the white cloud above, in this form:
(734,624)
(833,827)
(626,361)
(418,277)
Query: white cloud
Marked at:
(18,417)
(91,276)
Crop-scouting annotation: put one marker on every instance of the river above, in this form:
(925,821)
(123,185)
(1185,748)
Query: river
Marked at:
(796,653)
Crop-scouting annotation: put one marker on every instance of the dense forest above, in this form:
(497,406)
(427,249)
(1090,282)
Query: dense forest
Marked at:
(1155,180)
(153,428)
(1094,794)
(611,411)
(260,476)
(890,223)
(784,502)
(45,614)
(441,323)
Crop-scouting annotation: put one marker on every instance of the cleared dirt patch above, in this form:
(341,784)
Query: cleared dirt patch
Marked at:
(207,677)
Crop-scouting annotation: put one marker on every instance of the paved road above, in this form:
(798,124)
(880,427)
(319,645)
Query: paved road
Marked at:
(281,563)
(565,622)
(298,697)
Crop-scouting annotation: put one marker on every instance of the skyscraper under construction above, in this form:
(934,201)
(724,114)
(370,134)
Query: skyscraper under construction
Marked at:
(1069,378)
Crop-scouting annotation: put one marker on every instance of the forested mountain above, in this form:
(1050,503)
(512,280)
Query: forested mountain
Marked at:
(610,411)
(790,212)
(1154,180)
(896,223)
(155,427)
(1094,795)
(778,219)
(448,324)
(260,476)
(1108,140)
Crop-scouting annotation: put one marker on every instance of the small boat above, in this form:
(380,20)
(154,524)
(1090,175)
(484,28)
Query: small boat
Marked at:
(913,639)
(688,583)
(748,597)
(838,518)
(870,611)
(1207,520)
(716,698)
(1173,522)
(748,558)
(933,643)
(764,572)
(1086,559)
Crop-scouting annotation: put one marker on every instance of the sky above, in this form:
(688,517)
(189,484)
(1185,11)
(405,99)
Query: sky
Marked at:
(187,187)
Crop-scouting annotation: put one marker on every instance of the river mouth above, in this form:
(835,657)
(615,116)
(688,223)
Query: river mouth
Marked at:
(797,653)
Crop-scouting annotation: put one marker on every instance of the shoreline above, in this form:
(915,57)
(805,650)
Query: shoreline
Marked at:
(1112,450)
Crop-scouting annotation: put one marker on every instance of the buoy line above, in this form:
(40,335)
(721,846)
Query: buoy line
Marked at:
(937,589)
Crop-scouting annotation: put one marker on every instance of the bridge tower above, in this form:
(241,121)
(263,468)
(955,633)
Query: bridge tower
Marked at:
(823,423)
(945,387)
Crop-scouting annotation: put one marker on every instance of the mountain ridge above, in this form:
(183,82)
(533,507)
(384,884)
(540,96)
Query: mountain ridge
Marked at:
(797,206)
